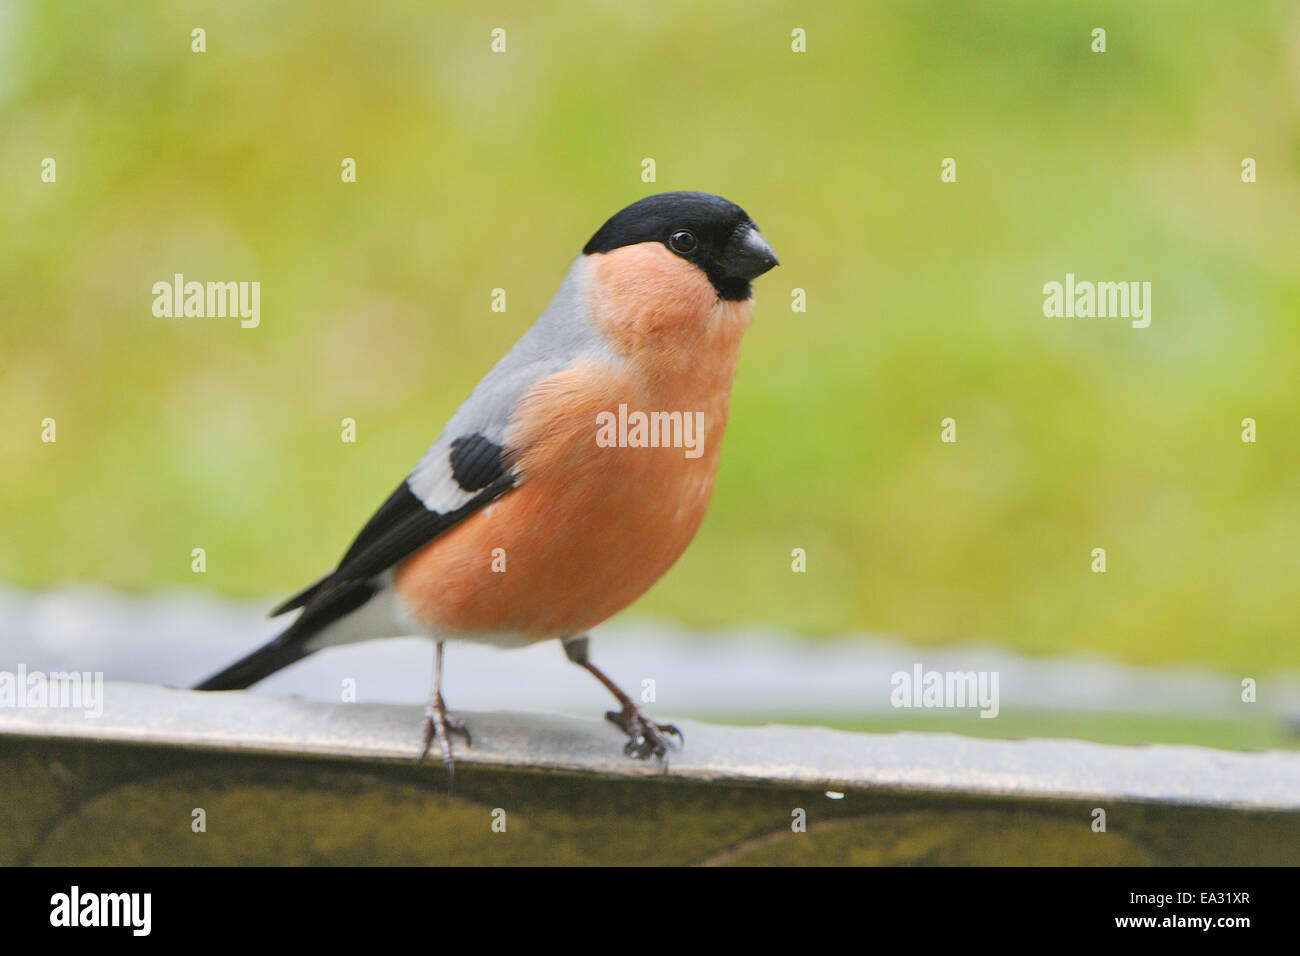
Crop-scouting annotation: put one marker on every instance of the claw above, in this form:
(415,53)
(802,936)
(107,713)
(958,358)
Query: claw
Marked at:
(645,737)
(441,725)
(457,726)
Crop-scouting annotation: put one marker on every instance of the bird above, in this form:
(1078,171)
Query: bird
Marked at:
(571,479)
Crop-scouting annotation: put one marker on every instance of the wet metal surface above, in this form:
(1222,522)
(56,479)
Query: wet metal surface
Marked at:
(804,756)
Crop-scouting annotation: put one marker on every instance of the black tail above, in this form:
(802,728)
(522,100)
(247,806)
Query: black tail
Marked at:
(290,645)
(263,662)
(327,606)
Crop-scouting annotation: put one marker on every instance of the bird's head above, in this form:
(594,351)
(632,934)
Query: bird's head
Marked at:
(702,231)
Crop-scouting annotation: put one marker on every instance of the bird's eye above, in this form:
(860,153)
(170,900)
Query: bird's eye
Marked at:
(683,242)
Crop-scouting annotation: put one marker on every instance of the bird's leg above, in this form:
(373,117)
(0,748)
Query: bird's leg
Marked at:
(645,737)
(437,722)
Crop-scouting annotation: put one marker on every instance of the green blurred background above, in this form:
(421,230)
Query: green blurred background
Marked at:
(478,171)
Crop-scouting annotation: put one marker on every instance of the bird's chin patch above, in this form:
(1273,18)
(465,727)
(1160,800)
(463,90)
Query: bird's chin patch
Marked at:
(731,315)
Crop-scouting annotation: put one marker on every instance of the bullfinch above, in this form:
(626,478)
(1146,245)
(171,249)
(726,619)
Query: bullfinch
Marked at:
(574,475)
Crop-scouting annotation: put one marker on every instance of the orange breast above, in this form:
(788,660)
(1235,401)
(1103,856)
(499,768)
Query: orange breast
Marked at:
(590,528)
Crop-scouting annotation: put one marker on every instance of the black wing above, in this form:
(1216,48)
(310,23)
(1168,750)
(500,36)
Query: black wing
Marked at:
(400,527)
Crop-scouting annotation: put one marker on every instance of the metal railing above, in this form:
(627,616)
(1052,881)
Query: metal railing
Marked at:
(169,776)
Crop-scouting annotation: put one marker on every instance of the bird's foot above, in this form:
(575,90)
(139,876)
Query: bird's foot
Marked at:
(440,724)
(645,738)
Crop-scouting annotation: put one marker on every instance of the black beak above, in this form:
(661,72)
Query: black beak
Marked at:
(747,255)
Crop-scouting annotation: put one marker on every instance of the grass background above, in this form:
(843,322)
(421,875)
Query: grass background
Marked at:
(479,171)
